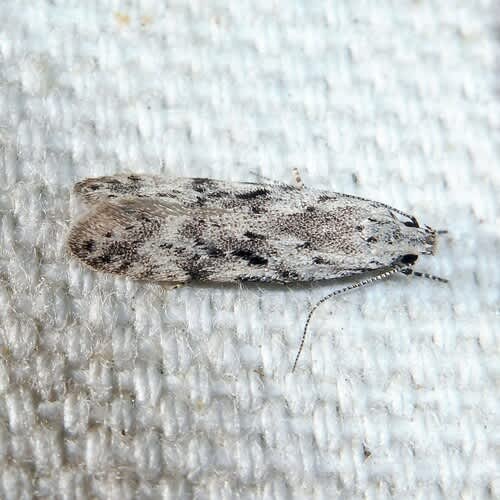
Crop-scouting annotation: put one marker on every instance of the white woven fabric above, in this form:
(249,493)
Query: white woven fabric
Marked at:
(118,389)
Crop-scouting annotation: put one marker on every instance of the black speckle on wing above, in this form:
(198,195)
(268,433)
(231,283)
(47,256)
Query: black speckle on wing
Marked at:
(245,278)
(200,184)
(287,275)
(325,197)
(89,246)
(251,257)
(320,260)
(214,251)
(195,271)
(254,236)
(120,251)
(193,229)
(304,246)
(250,195)
(218,194)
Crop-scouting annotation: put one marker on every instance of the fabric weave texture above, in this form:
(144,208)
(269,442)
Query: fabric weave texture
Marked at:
(117,389)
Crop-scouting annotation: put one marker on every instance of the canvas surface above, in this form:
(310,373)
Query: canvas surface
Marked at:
(117,389)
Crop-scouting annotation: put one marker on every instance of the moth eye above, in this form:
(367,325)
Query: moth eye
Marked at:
(412,223)
(409,258)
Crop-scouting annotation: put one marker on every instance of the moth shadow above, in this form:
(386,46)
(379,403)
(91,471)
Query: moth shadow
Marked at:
(274,286)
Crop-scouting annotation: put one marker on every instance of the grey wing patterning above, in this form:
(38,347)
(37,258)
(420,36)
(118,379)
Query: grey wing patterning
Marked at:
(182,229)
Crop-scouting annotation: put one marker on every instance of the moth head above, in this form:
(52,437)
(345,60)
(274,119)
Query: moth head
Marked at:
(392,237)
(422,238)
(413,240)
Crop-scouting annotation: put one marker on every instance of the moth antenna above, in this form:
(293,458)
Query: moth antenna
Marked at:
(359,284)
(408,271)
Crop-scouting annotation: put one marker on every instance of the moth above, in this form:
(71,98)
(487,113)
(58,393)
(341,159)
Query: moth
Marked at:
(179,230)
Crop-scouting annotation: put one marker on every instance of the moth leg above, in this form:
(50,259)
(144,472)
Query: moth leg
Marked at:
(297,178)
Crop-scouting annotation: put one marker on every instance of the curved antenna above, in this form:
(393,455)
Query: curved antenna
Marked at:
(383,275)
(359,284)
